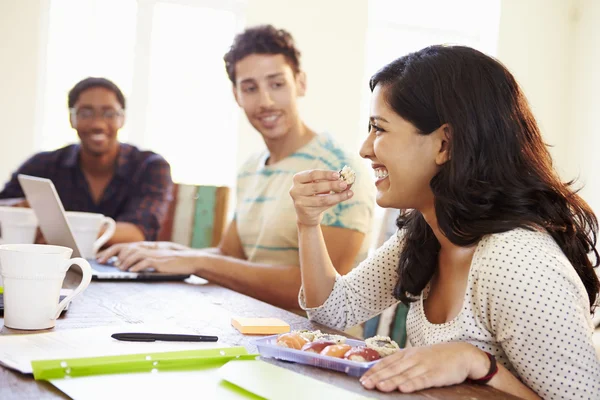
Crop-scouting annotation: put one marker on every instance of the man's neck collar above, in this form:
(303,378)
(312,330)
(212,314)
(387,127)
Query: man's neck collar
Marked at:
(105,164)
(288,145)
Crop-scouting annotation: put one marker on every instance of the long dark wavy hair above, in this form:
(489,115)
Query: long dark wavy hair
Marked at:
(500,174)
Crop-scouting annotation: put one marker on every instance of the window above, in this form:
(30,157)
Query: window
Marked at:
(166,56)
(80,45)
(191,111)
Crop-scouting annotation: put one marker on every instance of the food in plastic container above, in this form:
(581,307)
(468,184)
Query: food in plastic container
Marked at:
(267,347)
(334,352)
(308,335)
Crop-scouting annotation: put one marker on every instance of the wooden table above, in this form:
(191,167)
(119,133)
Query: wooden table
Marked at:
(205,309)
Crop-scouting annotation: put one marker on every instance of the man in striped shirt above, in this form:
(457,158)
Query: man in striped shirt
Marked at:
(258,254)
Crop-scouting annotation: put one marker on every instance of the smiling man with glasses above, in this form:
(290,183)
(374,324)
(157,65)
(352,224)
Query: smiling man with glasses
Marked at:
(100,174)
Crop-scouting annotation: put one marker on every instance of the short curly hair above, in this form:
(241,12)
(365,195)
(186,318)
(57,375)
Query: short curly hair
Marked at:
(93,82)
(262,39)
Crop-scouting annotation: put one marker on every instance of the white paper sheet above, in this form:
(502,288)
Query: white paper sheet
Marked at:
(255,378)
(17,351)
(184,385)
(277,383)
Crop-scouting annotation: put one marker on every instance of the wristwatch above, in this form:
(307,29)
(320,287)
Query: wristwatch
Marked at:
(492,371)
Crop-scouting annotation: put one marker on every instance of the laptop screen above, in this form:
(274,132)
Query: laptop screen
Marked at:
(43,199)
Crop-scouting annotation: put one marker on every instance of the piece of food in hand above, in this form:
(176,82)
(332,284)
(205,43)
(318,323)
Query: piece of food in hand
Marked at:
(316,347)
(347,175)
(291,341)
(362,354)
(308,335)
(336,350)
(383,345)
(325,337)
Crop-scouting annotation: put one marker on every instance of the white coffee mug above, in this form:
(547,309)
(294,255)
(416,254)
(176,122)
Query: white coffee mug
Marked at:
(17,225)
(86,228)
(33,275)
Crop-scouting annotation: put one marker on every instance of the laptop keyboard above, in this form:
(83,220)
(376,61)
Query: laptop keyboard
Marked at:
(102,267)
(110,272)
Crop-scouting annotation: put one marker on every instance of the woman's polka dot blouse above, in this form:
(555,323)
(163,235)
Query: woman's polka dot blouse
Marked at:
(524,303)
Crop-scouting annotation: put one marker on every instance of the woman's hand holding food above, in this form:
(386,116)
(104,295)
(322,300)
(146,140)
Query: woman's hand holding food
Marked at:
(313,192)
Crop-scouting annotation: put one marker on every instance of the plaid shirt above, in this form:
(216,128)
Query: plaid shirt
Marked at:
(139,192)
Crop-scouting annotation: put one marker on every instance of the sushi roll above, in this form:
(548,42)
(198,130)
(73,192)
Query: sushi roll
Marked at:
(291,341)
(347,175)
(325,337)
(362,354)
(336,350)
(308,335)
(316,347)
(383,345)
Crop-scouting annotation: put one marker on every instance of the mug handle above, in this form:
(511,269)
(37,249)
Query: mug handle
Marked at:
(111,226)
(86,278)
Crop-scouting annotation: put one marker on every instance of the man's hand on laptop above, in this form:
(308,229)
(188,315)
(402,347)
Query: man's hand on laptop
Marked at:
(140,256)
(15,202)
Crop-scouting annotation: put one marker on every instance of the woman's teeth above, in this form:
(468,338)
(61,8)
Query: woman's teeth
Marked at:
(381,173)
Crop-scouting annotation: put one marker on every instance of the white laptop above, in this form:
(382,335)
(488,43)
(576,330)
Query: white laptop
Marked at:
(43,199)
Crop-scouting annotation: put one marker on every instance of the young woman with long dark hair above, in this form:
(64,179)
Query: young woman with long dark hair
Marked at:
(495,254)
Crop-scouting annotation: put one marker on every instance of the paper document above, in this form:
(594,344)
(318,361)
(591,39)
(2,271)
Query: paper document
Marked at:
(183,385)
(17,351)
(253,380)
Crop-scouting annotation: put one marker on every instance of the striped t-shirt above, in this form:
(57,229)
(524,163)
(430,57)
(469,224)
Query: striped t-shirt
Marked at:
(265,214)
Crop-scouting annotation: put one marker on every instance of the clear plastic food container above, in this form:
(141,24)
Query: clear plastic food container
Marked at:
(267,347)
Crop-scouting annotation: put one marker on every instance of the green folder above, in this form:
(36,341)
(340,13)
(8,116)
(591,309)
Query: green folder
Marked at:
(153,362)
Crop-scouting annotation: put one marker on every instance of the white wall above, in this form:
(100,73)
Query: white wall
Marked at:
(19,54)
(535,42)
(553,49)
(583,131)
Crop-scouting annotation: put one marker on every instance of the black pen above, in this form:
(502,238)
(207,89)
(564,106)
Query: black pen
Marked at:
(166,337)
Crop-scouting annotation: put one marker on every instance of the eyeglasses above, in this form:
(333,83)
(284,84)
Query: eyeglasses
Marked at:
(88,114)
